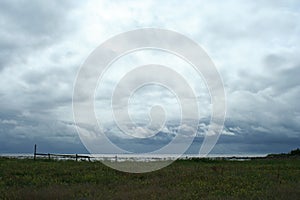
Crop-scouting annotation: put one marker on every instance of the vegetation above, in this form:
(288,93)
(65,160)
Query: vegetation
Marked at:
(295,152)
(184,179)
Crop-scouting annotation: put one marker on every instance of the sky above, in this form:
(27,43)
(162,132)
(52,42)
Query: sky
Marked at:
(254,45)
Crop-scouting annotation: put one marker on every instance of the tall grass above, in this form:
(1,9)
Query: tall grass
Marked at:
(190,179)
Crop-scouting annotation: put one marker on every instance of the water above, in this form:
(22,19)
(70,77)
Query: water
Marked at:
(140,157)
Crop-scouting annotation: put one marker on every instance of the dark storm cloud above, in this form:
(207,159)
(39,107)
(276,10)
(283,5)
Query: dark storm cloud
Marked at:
(19,133)
(244,138)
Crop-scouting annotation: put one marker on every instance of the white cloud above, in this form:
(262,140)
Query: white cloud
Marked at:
(11,122)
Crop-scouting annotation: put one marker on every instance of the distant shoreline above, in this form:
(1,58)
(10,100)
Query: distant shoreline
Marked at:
(140,157)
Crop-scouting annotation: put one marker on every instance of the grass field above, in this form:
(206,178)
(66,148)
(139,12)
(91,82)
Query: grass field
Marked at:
(190,179)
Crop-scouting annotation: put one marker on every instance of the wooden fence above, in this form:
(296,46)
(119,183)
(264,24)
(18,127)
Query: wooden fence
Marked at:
(53,155)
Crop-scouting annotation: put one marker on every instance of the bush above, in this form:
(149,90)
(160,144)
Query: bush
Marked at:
(295,152)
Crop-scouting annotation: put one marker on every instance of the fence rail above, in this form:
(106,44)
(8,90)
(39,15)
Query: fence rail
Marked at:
(54,155)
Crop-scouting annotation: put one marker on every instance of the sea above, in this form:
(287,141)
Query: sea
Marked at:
(137,157)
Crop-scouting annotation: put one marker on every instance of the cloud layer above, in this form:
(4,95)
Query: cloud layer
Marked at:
(254,44)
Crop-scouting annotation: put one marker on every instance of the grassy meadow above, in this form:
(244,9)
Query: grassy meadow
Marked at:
(184,179)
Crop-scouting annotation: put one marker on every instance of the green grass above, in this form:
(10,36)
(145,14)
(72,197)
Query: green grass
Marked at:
(194,179)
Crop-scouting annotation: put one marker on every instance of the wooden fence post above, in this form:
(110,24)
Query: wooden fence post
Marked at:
(34,153)
(76,157)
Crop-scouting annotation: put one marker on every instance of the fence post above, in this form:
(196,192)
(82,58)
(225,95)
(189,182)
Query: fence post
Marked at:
(34,153)
(76,157)
(49,156)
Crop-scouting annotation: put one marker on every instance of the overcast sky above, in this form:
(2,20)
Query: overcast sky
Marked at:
(254,45)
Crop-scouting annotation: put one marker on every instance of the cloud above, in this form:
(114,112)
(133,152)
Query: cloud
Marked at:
(253,44)
(29,27)
(11,122)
